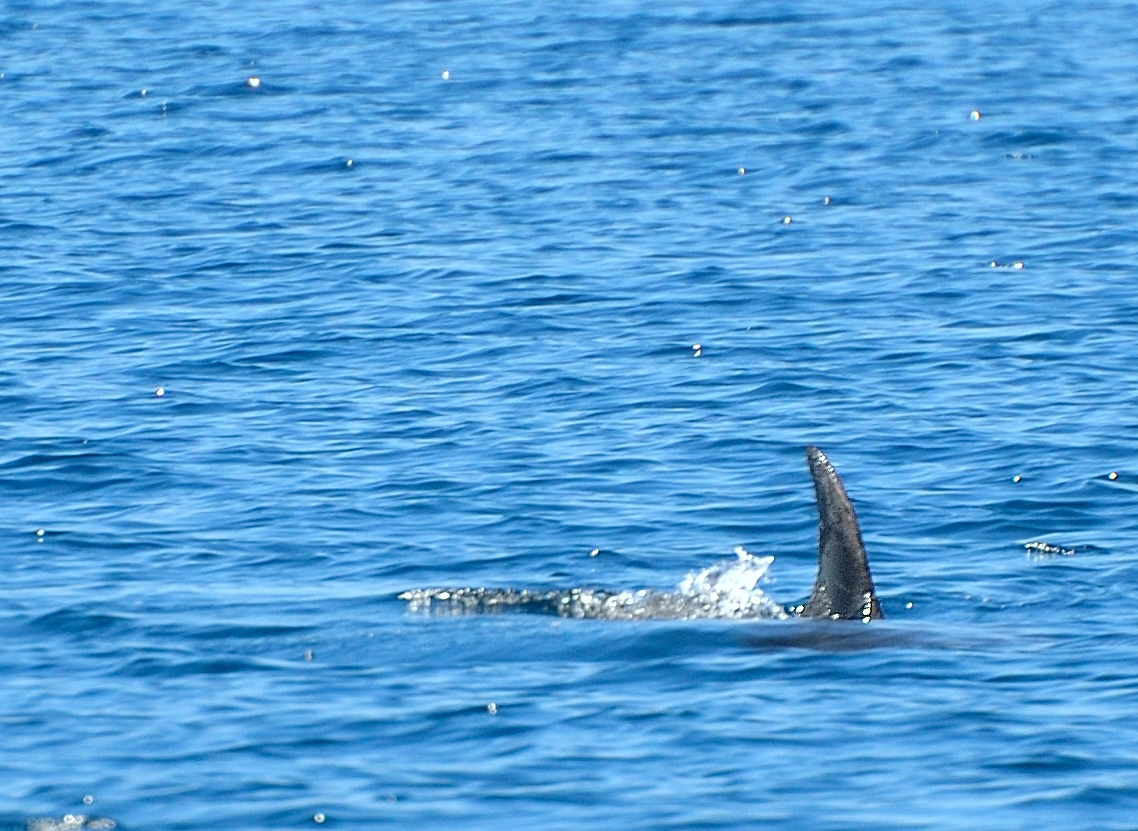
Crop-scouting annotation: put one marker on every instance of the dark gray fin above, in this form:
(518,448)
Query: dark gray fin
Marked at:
(844,589)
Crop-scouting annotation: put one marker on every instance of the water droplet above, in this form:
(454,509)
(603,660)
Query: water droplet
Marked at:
(786,220)
(492,708)
(1017,478)
(253,82)
(1113,475)
(595,552)
(446,74)
(975,115)
(318,818)
(161,391)
(742,171)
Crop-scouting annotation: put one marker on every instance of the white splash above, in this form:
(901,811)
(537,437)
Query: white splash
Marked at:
(728,589)
(731,587)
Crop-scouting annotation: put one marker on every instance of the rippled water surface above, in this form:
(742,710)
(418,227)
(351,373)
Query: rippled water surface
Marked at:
(307,304)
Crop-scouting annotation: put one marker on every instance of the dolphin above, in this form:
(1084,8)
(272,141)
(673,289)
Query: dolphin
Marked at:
(843,589)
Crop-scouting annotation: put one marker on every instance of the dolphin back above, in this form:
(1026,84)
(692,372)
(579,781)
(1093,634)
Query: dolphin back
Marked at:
(844,589)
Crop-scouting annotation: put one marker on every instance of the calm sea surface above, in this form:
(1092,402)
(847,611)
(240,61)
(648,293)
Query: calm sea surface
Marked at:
(305,304)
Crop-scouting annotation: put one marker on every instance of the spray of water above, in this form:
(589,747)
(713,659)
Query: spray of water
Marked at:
(728,589)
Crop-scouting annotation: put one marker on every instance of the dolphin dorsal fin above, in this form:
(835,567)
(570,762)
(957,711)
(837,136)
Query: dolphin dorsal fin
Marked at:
(844,589)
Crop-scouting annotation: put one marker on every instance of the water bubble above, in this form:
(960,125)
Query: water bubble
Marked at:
(318,818)
(88,799)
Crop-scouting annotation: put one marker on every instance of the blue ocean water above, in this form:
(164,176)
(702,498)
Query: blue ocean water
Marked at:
(420,284)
